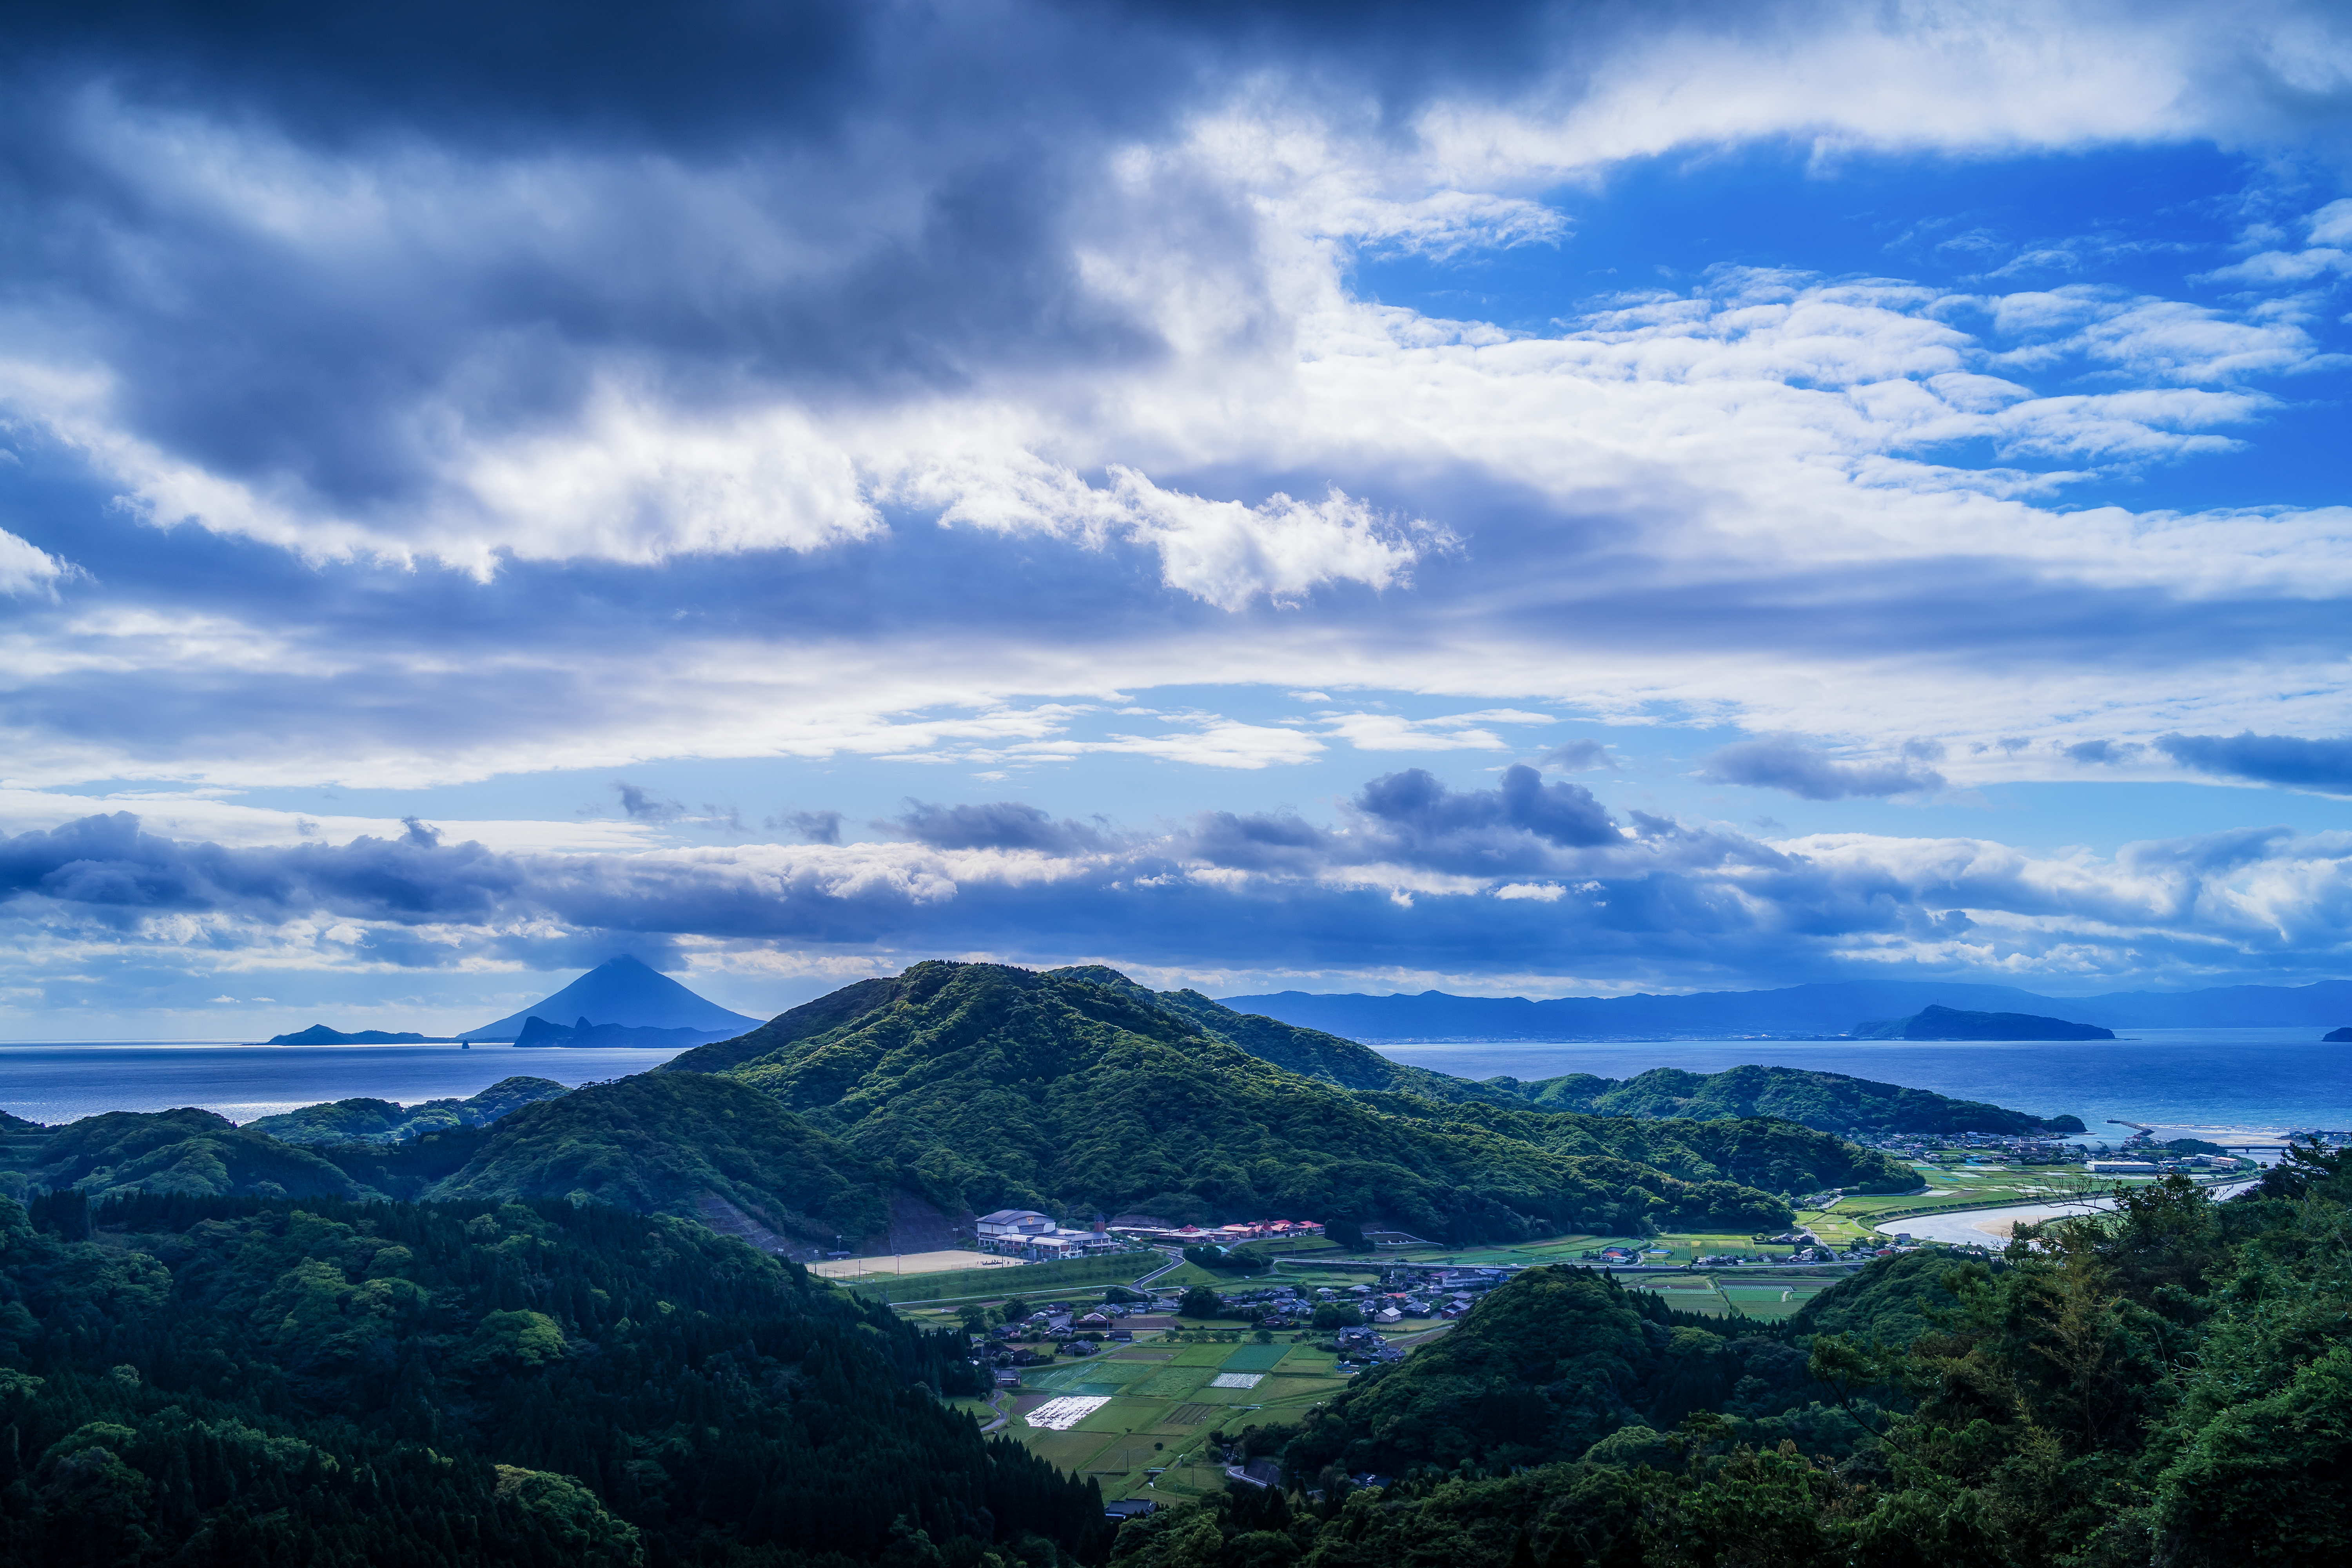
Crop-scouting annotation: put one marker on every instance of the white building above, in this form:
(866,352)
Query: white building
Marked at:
(1025,1233)
(1007,1230)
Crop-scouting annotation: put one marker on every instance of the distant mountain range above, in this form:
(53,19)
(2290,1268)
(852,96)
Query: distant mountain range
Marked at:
(625,992)
(1831,1008)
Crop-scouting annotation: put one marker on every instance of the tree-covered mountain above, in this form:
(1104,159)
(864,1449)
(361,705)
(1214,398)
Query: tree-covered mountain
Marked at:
(1827,1101)
(664,1142)
(985,1086)
(381,1120)
(262,1382)
(2168,1386)
(1833,1102)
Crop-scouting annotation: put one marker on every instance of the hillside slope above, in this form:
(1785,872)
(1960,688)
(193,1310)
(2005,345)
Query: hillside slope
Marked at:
(657,1143)
(985,1086)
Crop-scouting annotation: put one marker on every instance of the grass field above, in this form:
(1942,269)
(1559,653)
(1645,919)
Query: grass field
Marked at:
(1037,1281)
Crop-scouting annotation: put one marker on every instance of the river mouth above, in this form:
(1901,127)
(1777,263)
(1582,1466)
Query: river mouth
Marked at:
(1993,1227)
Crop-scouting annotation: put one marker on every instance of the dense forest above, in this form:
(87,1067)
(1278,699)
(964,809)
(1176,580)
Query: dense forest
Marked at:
(262,1382)
(2169,1386)
(983,1086)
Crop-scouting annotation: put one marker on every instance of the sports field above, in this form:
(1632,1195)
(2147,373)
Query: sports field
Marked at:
(909,1263)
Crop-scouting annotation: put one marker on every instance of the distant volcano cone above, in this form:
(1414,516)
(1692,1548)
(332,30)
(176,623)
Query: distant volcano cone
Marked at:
(625,992)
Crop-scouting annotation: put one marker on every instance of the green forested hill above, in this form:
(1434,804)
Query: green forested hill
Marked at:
(986,1085)
(364,1120)
(259,1382)
(1833,1102)
(2169,1386)
(657,1143)
(186,1151)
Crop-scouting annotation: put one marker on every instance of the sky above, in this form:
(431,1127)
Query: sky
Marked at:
(1520,499)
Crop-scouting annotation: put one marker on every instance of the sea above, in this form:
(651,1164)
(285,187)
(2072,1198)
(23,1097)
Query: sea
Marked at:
(2254,1082)
(54,1082)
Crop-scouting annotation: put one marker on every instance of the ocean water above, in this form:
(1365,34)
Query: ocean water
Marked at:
(2255,1081)
(56,1083)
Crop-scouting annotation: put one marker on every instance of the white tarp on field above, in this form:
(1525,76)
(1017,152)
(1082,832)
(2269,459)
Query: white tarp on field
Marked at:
(1061,1414)
(1236,1380)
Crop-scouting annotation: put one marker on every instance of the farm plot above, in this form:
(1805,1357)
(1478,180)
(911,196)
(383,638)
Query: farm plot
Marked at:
(1061,1414)
(1172,1382)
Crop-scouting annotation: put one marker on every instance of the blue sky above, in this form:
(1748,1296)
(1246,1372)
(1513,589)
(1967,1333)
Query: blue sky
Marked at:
(1540,499)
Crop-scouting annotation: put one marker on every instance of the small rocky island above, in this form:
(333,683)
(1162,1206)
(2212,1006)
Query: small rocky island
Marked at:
(1933,1023)
(2337,1036)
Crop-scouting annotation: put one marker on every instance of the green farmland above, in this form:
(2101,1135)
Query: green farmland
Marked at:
(1162,1401)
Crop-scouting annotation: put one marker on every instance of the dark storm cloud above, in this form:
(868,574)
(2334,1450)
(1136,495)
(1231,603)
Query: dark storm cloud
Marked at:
(2288,760)
(1787,762)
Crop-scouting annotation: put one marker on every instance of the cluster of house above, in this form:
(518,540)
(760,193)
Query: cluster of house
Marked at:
(1364,1347)
(2010,1150)
(1060,1329)
(1026,1234)
(1285,1307)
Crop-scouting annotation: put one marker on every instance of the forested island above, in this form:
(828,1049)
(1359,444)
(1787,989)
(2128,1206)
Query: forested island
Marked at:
(320,1034)
(1940,1023)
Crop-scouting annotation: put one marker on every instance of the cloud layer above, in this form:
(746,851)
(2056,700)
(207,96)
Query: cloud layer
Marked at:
(1523,879)
(400,400)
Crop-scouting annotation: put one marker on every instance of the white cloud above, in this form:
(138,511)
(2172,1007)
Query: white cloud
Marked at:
(1452,732)
(25,569)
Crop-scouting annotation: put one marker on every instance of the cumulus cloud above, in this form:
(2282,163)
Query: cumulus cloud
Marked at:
(1787,762)
(24,569)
